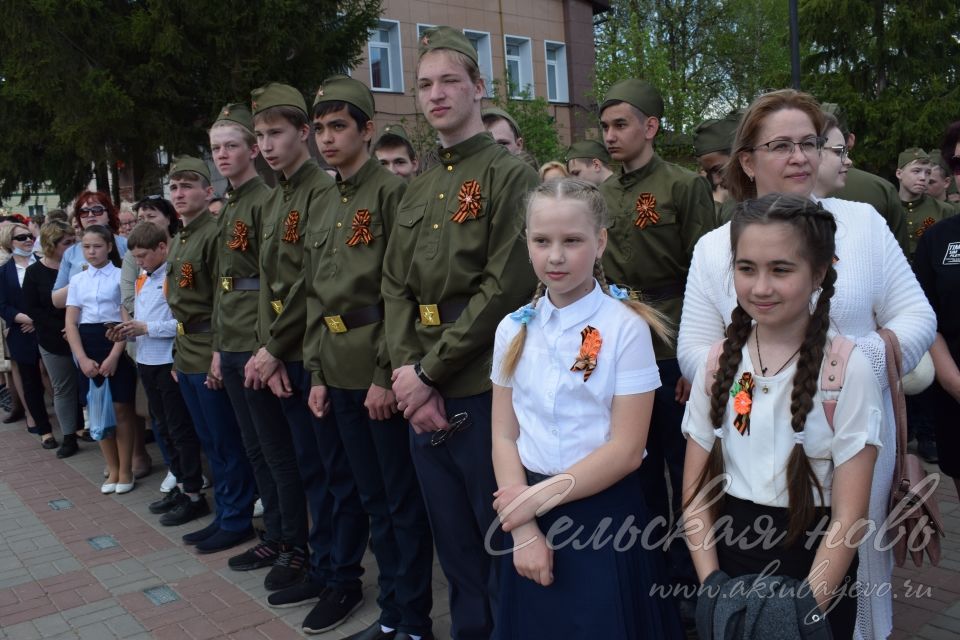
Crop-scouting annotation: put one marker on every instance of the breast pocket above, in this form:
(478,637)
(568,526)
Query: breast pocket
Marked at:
(414,234)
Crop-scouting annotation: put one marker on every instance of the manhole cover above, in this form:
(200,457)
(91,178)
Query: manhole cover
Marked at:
(60,505)
(102,542)
(161,595)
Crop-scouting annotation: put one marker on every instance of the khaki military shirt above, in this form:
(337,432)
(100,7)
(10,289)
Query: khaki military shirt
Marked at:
(347,238)
(674,208)
(191,288)
(923,213)
(241,226)
(283,308)
(481,262)
(874,190)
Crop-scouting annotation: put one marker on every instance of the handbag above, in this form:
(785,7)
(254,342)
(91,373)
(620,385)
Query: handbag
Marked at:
(917,526)
(100,409)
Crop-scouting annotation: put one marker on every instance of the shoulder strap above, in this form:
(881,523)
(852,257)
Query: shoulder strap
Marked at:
(834,369)
(713,363)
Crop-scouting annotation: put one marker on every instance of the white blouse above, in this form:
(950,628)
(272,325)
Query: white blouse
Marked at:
(757,462)
(562,417)
(97,293)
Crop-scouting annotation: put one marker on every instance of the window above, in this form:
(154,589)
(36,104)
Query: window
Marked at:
(519,66)
(386,70)
(421,28)
(36,209)
(556,56)
(481,42)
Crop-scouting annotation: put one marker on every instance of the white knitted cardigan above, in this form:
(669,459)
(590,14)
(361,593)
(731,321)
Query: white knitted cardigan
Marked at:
(875,288)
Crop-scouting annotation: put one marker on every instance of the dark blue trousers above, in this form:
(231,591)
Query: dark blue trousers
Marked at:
(457,482)
(340,529)
(666,449)
(270,450)
(216,426)
(379,457)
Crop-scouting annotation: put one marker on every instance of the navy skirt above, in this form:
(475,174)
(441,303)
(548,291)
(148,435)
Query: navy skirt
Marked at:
(123,383)
(603,577)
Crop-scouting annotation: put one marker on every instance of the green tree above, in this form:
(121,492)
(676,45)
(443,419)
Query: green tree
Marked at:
(538,127)
(102,82)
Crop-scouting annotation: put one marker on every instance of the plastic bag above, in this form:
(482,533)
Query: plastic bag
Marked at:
(100,409)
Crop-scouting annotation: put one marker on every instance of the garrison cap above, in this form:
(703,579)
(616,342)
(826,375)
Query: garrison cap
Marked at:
(639,93)
(345,89)
(587,149)
(911,154)
(236,113)
(500,113)
(937,159)
(276,95)
(394,130)
(189,163)
(447,38)
(716,134)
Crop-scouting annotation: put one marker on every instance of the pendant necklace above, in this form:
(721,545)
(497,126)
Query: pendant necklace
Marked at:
(763,369)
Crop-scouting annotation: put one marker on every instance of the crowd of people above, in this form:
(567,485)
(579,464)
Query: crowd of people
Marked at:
(540,377)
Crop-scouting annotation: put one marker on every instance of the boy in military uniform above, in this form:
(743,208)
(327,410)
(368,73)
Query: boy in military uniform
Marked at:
(266,435)
(712,140)
(394,151)
(658,211)
(191,289)
(940,178)
(340,530)
(456,264)
(913,172)
(343,262)
(588,160)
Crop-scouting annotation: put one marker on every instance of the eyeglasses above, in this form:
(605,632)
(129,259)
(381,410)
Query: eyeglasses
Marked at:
(840,149)
(23,237)
(87,212)
(810,147)
(128,223)
(458,423)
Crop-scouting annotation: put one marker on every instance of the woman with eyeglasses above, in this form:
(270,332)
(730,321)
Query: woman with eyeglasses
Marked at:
(778,148)
(834,160)
(21,333)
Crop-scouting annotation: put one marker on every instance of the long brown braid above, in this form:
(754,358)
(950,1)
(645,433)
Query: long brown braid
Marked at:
(816,228)
(657,322)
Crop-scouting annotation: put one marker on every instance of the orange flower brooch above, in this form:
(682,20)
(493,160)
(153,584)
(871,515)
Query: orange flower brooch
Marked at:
(742,394)
(646,211)
(361,228)
(589,350)
(240,241)
(470,200)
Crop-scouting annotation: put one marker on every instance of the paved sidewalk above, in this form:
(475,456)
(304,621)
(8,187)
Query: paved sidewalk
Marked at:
(77,564)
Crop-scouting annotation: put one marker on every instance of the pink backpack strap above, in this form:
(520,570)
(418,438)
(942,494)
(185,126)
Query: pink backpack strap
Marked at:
(834,369)
(713,364)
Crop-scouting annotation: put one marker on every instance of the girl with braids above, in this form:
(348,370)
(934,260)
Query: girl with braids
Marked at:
(762,420)
(573,378)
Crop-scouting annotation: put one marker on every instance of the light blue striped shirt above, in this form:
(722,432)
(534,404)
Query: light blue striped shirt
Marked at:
(151,306)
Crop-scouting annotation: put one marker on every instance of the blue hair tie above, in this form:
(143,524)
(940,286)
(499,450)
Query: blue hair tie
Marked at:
(618,293)
(524,314)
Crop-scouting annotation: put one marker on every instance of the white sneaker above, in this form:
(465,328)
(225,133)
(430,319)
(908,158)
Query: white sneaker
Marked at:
(258,508)
(206,483)
(168,483)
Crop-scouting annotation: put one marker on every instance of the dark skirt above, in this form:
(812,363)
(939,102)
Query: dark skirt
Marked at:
(944,410)
(748,555)
(603,592)
(123,383)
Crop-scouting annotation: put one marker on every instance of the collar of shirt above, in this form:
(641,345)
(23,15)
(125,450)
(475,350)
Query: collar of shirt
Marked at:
(462,150)
(306,170)
(235,193)
(350,186)
(573,314)
(630,178)
(196,225)
(105,270)
(158,273)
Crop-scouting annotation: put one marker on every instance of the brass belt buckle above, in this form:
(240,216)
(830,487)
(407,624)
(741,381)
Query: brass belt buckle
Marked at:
(335,324)
(226,283)
(277,306)
(180,330)
(429,315)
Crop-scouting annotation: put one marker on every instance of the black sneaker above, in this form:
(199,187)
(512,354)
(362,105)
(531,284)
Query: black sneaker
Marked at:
(196,537)
(332,610)
(262,555)
(166,503)
(69,446)
(185,511)
(289,569)
(296,595)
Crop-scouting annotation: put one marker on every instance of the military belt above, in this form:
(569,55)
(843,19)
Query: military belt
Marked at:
(239,284)
(193,327)
(658,294)
(341,323)
(432,315)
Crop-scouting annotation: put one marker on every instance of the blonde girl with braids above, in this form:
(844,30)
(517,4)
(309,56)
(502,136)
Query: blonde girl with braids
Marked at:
(763,423)
(573,379)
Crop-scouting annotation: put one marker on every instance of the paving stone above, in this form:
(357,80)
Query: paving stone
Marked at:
(23,631)
(51,625)
(125,626)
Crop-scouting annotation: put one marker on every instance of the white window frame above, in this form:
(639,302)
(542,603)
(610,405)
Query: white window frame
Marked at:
(560,68)
(421,27)
(395,52)
(484,56)
(524,65)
